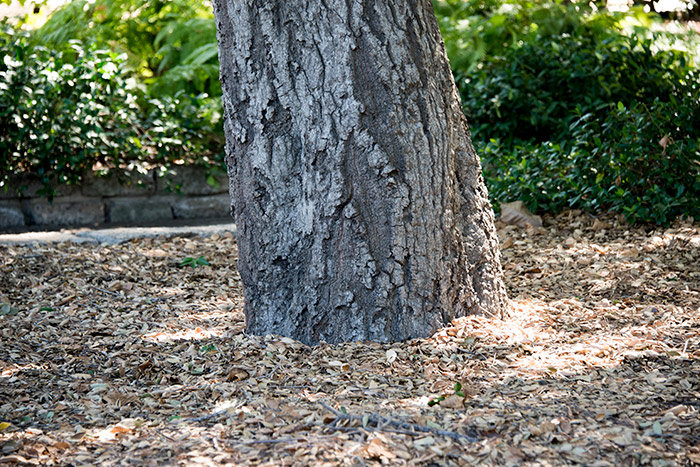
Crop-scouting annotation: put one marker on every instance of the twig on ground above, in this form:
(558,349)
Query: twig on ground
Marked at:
(305,439)
(399,426)
(272,441)
(207,417)
(248,397)
(271,373)
(114,294)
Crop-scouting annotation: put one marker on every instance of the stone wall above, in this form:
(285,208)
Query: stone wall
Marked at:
(142,199)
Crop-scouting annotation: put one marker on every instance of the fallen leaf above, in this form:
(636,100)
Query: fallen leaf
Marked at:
(237,374)
(516,213)
(427,441)
(600,225)
(377,449)
(453,402)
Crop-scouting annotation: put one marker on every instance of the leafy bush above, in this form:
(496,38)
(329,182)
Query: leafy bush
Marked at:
(476,30)
(642,161)
(66,112)
(171,45)
(535,90)
(567,106)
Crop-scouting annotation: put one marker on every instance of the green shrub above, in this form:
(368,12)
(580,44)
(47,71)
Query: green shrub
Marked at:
(535,90)
(66,112)
(542,175)
(641,161)
(170,45)
(476,30)
(644,160)
(567,106)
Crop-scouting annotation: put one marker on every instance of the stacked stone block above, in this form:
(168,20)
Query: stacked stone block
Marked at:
(183,193)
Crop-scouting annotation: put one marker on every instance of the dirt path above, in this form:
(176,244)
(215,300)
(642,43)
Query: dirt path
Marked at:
(114,355)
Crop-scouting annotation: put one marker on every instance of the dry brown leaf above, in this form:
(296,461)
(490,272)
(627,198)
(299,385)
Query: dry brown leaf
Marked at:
(377,449)
(453,402)
(237,374)
(507,243)
(516,213)
(600,225)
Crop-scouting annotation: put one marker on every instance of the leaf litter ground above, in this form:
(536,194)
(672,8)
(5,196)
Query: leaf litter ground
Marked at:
(114,355)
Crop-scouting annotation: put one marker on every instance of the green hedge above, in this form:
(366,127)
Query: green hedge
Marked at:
(69,111)
(568,106)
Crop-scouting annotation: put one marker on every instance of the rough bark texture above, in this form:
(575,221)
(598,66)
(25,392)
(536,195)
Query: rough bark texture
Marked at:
(361,210)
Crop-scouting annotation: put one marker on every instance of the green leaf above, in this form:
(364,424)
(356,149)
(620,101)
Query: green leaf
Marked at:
(202,54)
(194,262)
(436,401)
(212,181)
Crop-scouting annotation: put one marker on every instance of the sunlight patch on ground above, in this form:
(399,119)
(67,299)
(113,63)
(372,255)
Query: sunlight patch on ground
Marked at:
(185,334)
(524,326)
(673,240)
(537,348)
(12,370)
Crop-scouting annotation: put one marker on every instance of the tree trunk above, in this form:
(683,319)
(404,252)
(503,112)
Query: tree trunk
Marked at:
(361,210)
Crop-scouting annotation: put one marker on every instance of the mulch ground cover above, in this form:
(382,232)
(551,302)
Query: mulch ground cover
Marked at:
(117,355)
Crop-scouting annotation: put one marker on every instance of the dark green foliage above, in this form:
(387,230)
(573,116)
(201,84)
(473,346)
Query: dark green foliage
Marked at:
(643,162)
(68,111)
(476,30)
(567,109)
(534,91)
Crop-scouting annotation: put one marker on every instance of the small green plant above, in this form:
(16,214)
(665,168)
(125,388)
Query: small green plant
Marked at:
(194,262)
(208,348)
(437,400)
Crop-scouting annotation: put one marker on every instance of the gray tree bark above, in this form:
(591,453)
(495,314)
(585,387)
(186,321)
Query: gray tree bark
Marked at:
(359,200)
